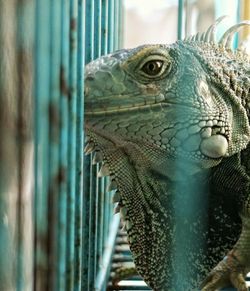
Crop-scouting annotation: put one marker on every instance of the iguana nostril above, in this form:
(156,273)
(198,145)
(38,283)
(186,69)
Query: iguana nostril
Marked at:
(89,78)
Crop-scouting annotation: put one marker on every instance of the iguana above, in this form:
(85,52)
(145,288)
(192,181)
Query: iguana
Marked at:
(170,125)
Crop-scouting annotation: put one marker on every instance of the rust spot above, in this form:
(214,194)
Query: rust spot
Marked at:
(62,175)
(73,24)
(104,31)
(54,119)
(63,82)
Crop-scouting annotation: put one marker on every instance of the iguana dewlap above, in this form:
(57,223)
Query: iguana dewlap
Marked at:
(170,125)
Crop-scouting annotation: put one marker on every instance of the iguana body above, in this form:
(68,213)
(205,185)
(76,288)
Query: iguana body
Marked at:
(170,123)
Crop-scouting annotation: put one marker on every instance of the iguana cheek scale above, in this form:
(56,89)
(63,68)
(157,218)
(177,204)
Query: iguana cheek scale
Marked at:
(170,125)
(215,146)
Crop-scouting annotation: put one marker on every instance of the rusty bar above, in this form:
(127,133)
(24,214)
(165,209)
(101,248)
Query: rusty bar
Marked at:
(72,144)
(79,212)
(85,223)
(41,117)
(63,147)
(111,26)
(24,142)
(92,226)
(89,36)
(104,27)
(97,28)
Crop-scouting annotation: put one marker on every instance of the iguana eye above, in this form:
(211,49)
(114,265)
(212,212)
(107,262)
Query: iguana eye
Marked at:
(152,68)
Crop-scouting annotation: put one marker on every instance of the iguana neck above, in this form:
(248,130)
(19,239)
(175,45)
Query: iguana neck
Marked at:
(153,216)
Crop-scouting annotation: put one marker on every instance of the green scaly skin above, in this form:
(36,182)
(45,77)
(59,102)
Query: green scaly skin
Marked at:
(170,125)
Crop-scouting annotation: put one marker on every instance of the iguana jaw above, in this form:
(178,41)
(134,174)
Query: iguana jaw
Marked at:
(127,166)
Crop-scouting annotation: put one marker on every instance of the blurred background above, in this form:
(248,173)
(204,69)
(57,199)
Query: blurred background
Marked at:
(157,21)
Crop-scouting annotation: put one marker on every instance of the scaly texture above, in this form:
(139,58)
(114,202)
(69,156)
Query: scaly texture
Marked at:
(170,124)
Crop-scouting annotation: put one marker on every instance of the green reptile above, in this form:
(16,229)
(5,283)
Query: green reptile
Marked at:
(170,125)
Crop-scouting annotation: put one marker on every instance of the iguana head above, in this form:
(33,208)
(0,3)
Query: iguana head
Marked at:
(184,99)
(169,111)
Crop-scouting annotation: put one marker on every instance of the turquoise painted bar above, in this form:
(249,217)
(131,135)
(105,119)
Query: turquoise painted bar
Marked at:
(41,118)
(180,25)
(79,206)
(63,150)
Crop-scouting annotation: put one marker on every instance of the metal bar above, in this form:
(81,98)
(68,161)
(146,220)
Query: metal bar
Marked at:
(107,205)
(79,149)
(89,36)
(116,24)
(245,15)
(92,227)
(63,148)
(97,53)
(97,28)
(7,145)
(104,27)
(41,114)
(88,261)
(121,24)
(72,145)
(54,140)
(96,218)
(180,19)
(85,223)
(111,26)
(101,41)
(101,221)
(23,140)
(89,55)
(101,280)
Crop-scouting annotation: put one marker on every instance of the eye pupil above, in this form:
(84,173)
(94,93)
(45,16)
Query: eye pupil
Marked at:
(152,68)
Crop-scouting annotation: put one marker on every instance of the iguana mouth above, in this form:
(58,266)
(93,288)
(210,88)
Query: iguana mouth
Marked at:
(126,109)
(155,103)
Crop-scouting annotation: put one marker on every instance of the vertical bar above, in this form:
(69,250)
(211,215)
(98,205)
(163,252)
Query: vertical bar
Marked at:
(107,205)
(180,19)
(244,15)
(89,36)
(92,228)
(7,142)
(116,24)
(111,26)
(87,276)
(121,24)
(85,223)
(72,145)
(79,150)
(104,30)
(24,59)
(41,92)
(54,141)
(97,28)
(97,53)
(100,220)
(63,148)
(104,50)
